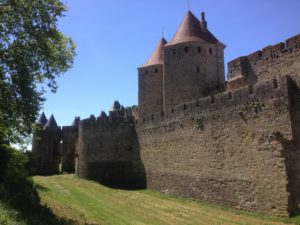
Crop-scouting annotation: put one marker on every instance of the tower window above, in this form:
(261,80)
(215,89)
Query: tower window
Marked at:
(229,95)
(186,49)
(199,49)
(146,72)
(275,83)
(174,51)
(198,69)
(210,51)
(156,70)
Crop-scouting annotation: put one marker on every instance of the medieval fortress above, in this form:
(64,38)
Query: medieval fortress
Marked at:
(233,142)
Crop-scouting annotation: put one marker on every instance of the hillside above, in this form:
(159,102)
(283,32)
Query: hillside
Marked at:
(87,202)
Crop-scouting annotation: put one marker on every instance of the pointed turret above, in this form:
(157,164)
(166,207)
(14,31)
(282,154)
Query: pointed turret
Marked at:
(76,121)
(51,122)
(42,119)
(192,30)
(103,114)
(115,106)
(157,56)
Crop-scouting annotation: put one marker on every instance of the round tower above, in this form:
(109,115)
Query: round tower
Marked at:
(193,62)
(151,82)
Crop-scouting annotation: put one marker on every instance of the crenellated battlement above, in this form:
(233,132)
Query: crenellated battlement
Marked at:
(272,60)
(264,91)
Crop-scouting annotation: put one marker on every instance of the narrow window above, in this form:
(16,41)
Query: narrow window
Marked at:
(152,117)
(210,51)
(199,49)
(156,70)
(174,51)
(184,107)
(250,88)
(146,72)
(229,95)
(198,69)
(172,110)
(275,83)
(162,113)
(186,49)
(212,99)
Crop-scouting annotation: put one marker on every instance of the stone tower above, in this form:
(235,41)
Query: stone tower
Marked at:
(46,146)
(193,62)
(151,82)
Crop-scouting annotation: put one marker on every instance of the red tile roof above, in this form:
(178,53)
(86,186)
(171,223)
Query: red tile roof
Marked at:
(190,31)
(157,56)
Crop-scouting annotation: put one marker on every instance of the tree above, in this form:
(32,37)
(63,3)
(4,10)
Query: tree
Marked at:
(33,52)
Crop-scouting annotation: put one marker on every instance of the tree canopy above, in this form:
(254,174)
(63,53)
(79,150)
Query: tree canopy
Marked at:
(33,52)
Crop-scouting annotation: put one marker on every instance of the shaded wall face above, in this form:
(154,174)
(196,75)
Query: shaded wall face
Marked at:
(190,71)
(150,90)
(69,141)
(226,152)
(109,153)
(46,152)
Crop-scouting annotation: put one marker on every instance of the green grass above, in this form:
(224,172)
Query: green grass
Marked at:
(87,202)
(9,216)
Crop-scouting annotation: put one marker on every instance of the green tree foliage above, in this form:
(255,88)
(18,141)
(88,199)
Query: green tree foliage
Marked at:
(33,52)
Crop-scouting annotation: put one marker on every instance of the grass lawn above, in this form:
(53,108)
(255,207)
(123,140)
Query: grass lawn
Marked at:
(88,202)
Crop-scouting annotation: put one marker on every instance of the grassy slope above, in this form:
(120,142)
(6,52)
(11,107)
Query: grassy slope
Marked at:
(88,202)
(9,216)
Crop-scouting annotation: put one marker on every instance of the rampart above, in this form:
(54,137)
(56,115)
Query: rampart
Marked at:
(229,149)
(273,61)
(108,152)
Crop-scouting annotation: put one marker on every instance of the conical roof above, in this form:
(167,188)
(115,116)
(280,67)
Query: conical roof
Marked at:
(103,114)
(116,106)
(51,122)
(157,56)
(190,31)
(42,119)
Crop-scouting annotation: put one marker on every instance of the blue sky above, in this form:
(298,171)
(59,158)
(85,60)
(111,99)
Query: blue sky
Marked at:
(114,37)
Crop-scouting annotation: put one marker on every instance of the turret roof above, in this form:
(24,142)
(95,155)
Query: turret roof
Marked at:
(116,106)
(190,31)
(51,122)
(157,56)
(42,119)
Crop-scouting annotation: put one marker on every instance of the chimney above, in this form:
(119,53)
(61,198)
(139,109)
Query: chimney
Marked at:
(203,22)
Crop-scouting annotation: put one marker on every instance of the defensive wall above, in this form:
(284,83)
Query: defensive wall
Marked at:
(236,148)
(108,151)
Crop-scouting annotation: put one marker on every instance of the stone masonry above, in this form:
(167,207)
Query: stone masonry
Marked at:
(234,142)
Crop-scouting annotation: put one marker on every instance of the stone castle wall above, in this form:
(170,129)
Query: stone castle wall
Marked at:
(282,59)
(221,152)
(238,147)
(108,151)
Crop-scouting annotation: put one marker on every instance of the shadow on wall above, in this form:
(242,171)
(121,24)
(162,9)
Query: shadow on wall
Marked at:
(291,149)
(128,174)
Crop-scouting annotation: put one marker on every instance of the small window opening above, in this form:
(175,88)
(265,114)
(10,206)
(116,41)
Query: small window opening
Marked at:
(212,99)
(199,49)
(152,117)
(174,51)
(186,49)
(184,107)
(250,88)
(229,95)
(162,113)
(156,70)
(275,83)
(210,51)
(146,72)
(198,69)
(172,110)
